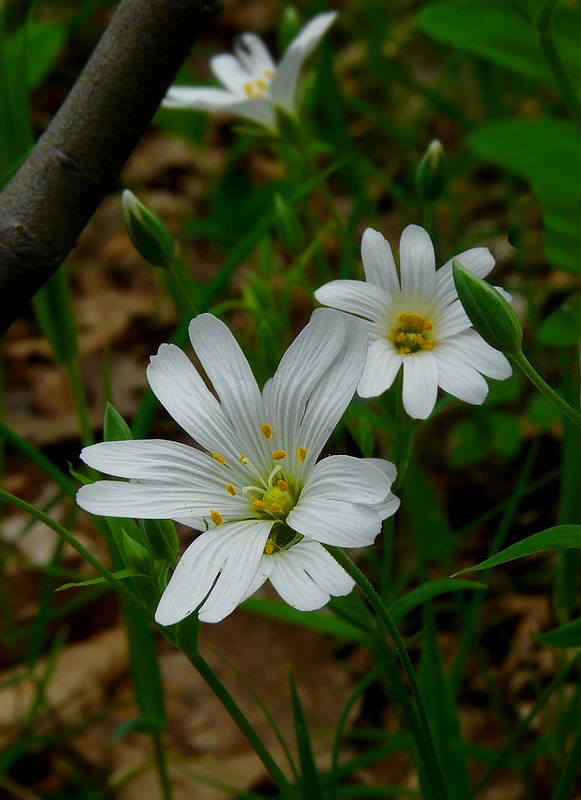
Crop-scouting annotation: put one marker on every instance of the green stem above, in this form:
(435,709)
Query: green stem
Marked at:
(520,359)
(80,402)
(391,628)
(161,766)
(544,27)
(74,543)
(182,289)
(224,696)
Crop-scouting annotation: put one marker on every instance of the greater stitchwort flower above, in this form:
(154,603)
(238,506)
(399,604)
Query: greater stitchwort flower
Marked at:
(415,320)
(255,85)
(257,491)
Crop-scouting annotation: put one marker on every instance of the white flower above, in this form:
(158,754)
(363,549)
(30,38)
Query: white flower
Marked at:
(257,491)
(416,320)
(255,85)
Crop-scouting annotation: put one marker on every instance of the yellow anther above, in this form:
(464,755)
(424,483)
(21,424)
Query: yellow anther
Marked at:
(404,350)
(276,508)
(261,84)
(249,89)
(404,319)
(243,459)
(219,458)
(260,505)
(301,453)
(269,548)
(427,325)
(416,320)
(217,518)
(410,335)
(269,73)
(231,490)
(278,455)
(266,430)
(282,485)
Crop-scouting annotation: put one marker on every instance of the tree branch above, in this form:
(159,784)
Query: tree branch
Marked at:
(78,159)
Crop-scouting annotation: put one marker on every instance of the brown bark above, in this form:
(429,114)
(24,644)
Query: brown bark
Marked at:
(79,157)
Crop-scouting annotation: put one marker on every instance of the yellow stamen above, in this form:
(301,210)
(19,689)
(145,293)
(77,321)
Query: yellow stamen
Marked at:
(261,84)
(278,455)
(269,73)
(410,335)
(283,486)
(249,89)
(269,548)
(266,430)
(301,453)
(217,518)
(276,507)
(231,490)
(243,459)
(260,505)
(219,458)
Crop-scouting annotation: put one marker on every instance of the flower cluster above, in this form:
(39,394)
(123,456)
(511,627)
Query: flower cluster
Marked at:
(254,85)
(416,322)
(265,502)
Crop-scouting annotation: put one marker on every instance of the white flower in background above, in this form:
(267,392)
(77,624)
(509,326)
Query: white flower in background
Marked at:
(255,85)
(415,320)
(257,491)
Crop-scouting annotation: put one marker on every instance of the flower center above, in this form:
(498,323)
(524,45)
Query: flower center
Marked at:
(281,538)
(411,334)
(276,502)
(257,88)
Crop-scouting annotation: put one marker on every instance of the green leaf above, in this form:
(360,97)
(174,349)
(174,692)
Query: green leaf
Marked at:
(506,436)
(401,607)
(310,783)
(42,42)
(467,444)
(562,328)
(120,574)
(115,429)
(568,635)
(547,153)
(557,538)
(498,30)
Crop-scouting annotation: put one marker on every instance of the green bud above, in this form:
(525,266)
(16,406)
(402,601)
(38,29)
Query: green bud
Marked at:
(134,554)
(488,311)
(290,26)
(115,429)
(149,235)
(288,227)
(431,172)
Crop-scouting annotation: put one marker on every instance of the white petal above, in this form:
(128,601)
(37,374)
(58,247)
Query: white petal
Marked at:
(306,575)
(381,367)
(333,392)
(355,297)
(388,507)
(503,293)
(301,369)
(262,574)
(260,111)
(385,466)
(202,98)
(180,389)
(458,378)
(283,87)
(159,500)
(478,260)
(229,72)
(453,321)
(154,460)
(337,477)
(417,262)
(378,262)
(212,552)
(226,366)
(472,348)
(253,55)
(335,522)
(420,384)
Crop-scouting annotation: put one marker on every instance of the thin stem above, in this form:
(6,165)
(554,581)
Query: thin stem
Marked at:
(161,766)
(182,289)
(80,402)
(521,360)
(390,626)
(224,696)
(74,543)
(544,27)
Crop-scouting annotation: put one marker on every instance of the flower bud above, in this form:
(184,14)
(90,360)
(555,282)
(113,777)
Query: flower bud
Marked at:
(488,311)
(149,235)
(288,227)
(431,172)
